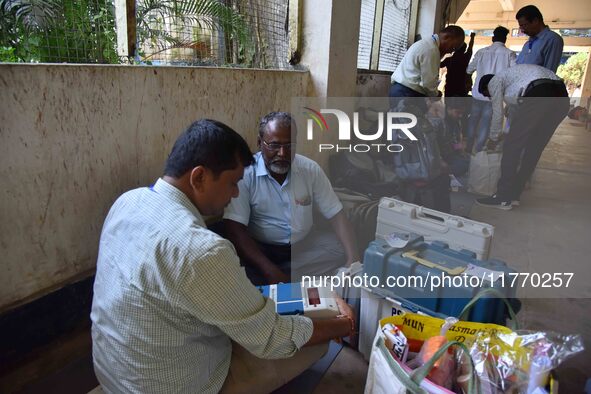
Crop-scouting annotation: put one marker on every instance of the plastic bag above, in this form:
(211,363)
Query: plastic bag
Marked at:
(485,171)
(418,328)
(520,362)
(437,360)
(505,361)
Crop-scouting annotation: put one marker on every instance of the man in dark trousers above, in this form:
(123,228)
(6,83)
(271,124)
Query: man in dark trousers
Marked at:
(456,80)
(538,101)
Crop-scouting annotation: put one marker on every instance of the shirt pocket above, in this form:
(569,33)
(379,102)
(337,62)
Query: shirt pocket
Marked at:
(302,213)
(304,200)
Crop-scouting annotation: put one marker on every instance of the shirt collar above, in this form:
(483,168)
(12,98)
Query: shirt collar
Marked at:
(498,43)
(172,193)
(261,168)
(542,33)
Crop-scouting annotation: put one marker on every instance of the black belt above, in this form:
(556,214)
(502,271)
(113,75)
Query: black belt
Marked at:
(542,81)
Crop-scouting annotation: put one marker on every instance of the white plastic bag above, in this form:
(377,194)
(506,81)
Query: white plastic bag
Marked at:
(386,375)
(485,171)
(380,378)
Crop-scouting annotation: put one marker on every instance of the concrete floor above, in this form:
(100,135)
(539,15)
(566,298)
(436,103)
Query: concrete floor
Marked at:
(547,233)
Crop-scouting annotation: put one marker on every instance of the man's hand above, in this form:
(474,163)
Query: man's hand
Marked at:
(491,144)
(348,313)
(336,328)
(351,260)
(344,308)
(506,111)
(469,82)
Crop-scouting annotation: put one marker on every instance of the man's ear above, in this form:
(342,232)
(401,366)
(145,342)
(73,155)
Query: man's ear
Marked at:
(259,142)
(197,177)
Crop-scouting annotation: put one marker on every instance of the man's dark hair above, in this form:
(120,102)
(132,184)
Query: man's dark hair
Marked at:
(207,143)
(282,118)
(483,84)
(500,34)
(529,12)
(454,31)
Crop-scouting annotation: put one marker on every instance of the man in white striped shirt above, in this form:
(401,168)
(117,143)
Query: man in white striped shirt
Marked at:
(173,311)
(538,102)
(489,60)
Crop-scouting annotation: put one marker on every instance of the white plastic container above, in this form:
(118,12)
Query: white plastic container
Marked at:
(458,232)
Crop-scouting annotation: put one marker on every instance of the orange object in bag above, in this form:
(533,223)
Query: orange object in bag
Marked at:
(442,369)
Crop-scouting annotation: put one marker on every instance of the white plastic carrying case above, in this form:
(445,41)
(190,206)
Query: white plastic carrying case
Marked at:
(395,216)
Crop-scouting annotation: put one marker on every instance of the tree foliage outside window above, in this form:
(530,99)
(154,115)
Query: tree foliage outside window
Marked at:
(56,31)
(247,33)
(182,31)
(573,71)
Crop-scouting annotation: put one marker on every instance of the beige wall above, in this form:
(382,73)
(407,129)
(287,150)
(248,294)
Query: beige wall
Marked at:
(73,138)
(376,84)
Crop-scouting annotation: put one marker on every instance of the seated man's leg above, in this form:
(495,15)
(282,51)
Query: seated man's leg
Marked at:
(250,374)
(320,253)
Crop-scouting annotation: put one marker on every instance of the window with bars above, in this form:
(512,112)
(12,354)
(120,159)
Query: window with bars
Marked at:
(384,33)
(250,33)
(242,33)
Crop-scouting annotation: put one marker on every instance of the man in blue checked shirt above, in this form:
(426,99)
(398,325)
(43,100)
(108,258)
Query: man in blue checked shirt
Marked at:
(544,47)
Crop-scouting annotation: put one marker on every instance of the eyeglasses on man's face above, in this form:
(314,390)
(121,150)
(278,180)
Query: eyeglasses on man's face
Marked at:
(276,147)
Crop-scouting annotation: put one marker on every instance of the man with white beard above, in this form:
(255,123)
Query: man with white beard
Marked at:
(271,221)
